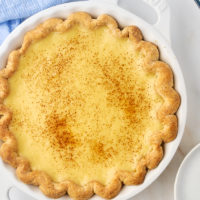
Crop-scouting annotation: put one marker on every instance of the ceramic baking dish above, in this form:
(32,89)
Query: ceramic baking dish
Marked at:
(157,33)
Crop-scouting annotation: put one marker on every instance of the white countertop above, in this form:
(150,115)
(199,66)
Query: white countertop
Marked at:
(185,34)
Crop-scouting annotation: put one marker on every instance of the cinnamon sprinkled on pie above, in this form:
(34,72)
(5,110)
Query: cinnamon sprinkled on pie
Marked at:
(91,105)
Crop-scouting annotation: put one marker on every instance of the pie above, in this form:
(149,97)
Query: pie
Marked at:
(85,107)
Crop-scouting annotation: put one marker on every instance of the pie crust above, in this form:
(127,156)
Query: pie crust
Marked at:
(166,113)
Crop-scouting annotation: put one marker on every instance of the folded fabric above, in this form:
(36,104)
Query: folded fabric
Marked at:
(13,12)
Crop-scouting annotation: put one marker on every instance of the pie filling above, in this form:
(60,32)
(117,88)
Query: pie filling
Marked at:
(82,105)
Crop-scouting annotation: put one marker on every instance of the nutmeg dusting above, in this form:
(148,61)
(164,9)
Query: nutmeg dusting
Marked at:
(84,99)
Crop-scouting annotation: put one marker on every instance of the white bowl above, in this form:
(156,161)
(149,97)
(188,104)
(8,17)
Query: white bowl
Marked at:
(95,8)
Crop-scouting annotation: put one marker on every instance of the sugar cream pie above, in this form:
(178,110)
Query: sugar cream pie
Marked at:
(85,107)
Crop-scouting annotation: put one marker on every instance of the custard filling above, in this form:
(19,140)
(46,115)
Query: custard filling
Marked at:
(82,105)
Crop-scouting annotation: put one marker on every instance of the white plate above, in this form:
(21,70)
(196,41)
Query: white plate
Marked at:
(187,183)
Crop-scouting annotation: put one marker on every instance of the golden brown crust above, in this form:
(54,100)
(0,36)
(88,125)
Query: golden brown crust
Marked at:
(166,113)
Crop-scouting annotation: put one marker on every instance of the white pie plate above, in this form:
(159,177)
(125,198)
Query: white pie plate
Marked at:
(151,33)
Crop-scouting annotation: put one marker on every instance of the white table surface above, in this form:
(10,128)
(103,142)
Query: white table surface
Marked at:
(185,34)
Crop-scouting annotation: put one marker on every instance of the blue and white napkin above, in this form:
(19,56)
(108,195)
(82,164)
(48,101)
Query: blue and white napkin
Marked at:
(13,12)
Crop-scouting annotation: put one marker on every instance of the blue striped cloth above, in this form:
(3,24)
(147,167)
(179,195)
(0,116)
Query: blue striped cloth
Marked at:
(13,12)
(198,2)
